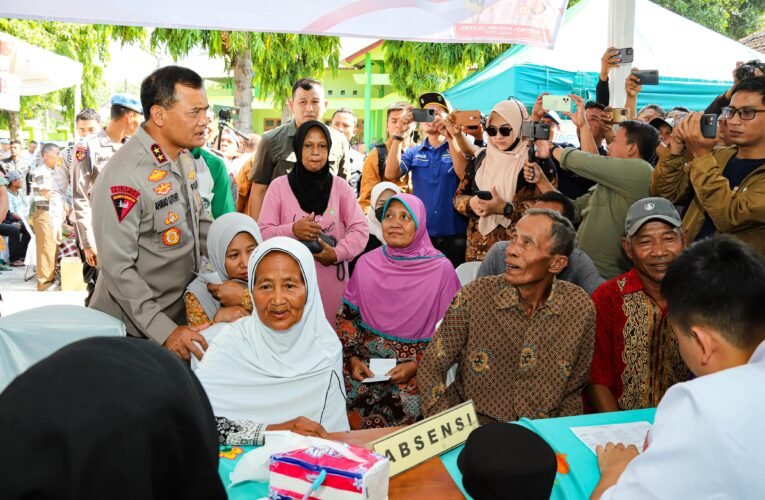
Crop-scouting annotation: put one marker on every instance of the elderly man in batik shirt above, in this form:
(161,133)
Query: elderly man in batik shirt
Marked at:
(636,356)
(522,341)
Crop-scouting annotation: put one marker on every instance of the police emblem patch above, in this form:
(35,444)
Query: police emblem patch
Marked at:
(157,175)
(171,218)
(124,199)
(171,237)
(163,188)
(80,154)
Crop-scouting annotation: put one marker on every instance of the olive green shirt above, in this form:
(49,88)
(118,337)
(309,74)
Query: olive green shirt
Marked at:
(276,157)
(621,182)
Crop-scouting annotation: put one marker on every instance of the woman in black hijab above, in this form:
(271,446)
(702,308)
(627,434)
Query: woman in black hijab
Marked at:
(115,418)
(319,209)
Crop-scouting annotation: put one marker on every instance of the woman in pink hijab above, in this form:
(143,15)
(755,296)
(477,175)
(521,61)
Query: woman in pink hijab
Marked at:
(395,298)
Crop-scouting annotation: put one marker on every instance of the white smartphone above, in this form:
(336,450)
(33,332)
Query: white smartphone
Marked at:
(559,103)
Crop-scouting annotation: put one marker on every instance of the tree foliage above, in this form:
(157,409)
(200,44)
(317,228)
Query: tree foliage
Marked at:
(86,43)
(278,59)
(418,67)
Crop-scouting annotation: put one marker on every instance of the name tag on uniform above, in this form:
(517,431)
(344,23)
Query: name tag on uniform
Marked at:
(424,440)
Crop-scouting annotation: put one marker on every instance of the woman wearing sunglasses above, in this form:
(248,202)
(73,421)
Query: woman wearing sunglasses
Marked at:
(494,193)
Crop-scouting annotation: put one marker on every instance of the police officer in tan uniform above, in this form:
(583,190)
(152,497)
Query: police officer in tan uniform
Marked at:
(90,158)
(87,123)
(148,219)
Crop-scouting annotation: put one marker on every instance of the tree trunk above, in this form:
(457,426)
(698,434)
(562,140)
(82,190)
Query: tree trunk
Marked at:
(14,124)
(286,113)
(242,64)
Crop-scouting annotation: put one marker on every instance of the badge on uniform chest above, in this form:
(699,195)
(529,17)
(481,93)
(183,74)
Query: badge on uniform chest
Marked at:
(124,199)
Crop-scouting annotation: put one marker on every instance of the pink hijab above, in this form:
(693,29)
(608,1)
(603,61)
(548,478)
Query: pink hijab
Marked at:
(401,293)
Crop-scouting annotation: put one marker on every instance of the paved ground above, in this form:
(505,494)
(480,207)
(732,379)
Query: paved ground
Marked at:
(19,294)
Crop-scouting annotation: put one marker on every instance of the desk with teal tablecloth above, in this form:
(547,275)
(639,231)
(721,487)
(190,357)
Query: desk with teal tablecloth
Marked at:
(433,477)
(582,463)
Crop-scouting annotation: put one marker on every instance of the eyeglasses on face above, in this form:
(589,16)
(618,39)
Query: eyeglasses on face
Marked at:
(505,131)
(729,112)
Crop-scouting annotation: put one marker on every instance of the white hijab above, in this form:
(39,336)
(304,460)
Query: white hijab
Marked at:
(222,231)
(267,376)
(375,226)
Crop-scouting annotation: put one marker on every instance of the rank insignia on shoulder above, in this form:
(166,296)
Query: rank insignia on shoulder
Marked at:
(124,199)
(81,152)
(157,175)
(171,237)
(159,155)
(163,188)
(171,218)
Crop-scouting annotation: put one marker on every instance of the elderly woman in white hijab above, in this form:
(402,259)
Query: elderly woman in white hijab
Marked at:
(281,368)
(494,193)
(220,295)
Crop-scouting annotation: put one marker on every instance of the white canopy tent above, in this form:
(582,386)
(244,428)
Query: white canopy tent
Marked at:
(692,60)
(32,70)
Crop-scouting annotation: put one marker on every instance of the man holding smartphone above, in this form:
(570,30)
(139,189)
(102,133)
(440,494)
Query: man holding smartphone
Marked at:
(726,185)
(437,165)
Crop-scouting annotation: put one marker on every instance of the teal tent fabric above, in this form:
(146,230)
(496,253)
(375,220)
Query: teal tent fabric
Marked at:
(527,81)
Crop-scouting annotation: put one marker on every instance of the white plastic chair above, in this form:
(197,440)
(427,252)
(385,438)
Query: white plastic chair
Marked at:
(29,336)
(467,272)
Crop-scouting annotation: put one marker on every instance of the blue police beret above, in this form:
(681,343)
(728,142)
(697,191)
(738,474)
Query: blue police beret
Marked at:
(128,101)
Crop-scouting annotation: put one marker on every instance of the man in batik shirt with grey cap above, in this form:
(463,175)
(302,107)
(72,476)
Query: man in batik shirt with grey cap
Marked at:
(636,357)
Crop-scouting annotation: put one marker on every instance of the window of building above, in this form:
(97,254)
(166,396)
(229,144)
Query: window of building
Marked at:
(271,123)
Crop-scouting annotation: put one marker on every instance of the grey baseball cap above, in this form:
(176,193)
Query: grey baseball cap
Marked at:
(649,209)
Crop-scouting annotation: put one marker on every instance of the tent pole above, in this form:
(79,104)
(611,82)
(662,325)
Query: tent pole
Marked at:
(368,101)
(621,34)
(77,106)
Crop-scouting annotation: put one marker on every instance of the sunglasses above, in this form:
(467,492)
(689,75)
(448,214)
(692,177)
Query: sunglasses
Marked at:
(505,131)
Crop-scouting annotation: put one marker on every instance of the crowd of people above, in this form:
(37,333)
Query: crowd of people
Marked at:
(611,273)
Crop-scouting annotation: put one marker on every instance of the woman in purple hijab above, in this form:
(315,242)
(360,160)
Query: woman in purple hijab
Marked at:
(396,296)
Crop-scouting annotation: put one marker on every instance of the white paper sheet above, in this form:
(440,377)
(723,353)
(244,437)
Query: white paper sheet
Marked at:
(380,367)
(630,433)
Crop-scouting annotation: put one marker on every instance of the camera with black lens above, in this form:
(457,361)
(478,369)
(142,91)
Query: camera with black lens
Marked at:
(228,113)
(748,69)
(535,130)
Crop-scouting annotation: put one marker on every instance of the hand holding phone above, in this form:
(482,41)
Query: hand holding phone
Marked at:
(423,115)
(484,195)
(559,103)
(625,55)
(647,76)
(466,118)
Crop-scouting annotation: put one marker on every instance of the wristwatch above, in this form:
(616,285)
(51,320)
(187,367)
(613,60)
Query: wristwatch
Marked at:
(508,210)
(396,137)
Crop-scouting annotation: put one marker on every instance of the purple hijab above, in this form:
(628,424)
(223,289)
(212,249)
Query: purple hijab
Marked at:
(401,293)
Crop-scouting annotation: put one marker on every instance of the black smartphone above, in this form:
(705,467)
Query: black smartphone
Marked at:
(484,195)
(625,55)
(647,76)
(709,126)
(535,130)
(423,114)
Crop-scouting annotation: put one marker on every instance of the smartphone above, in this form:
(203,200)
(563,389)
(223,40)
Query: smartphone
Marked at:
(484,195)
(625,55)
(559,103)
(467,118)
(535,130)
(423,114)
(647,76)
(619,115)
(709,126)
